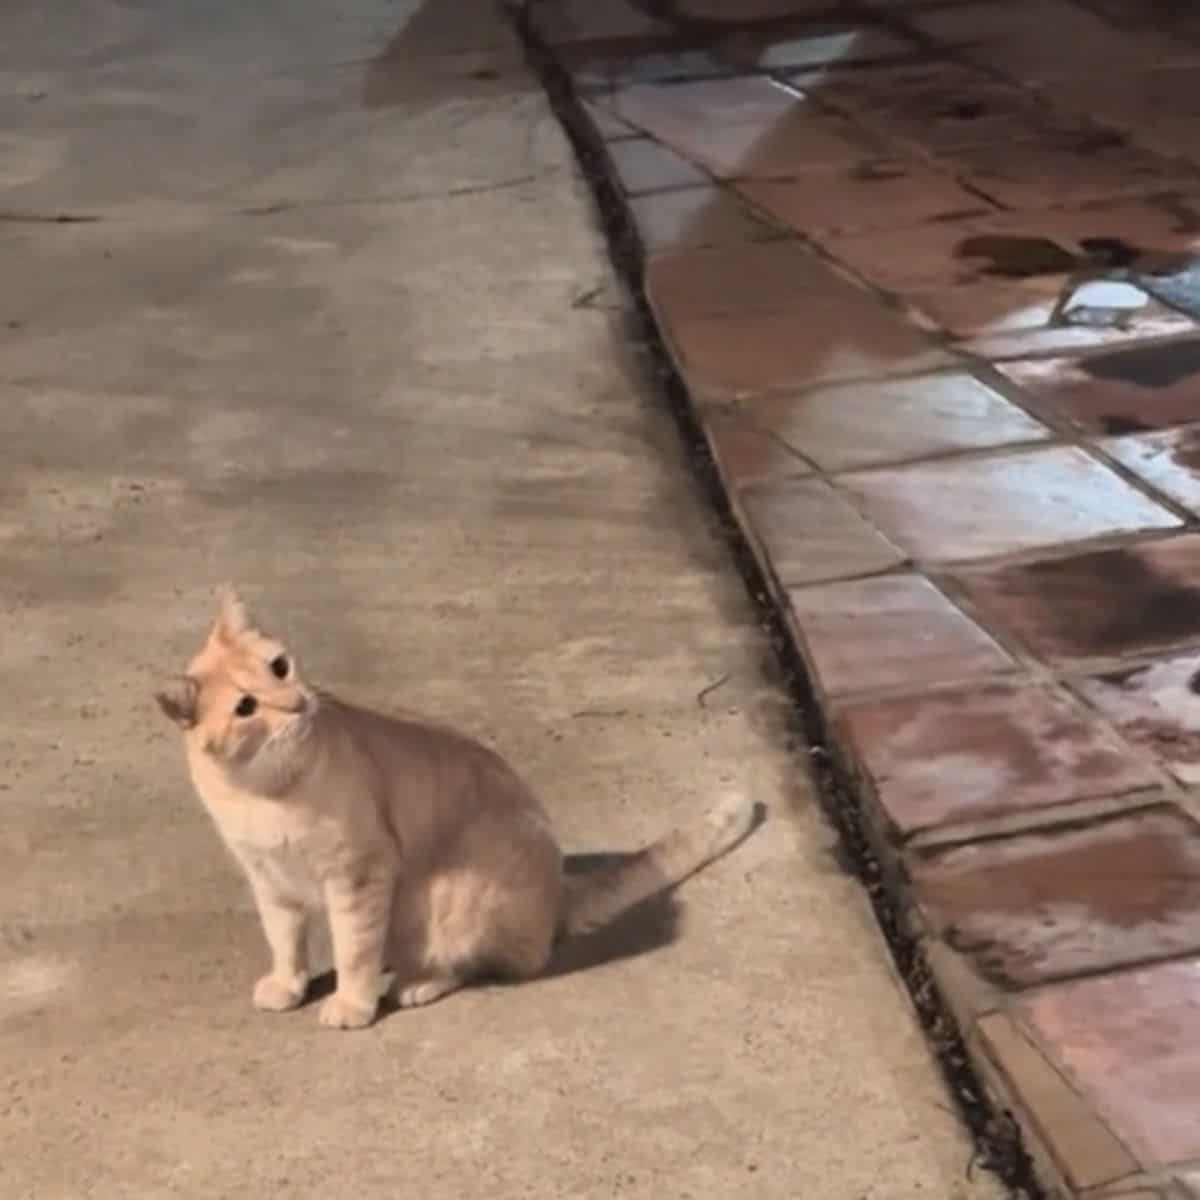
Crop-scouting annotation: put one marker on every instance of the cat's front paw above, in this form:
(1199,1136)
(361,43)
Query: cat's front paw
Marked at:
(340,1012)
(272,994)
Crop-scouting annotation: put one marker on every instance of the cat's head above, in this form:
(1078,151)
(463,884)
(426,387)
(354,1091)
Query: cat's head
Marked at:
(242,700)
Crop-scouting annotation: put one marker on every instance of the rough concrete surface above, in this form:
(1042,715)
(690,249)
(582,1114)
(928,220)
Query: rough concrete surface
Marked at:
(320,340)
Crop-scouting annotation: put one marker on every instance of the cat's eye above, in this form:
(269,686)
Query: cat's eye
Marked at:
(280,666)
(246,706)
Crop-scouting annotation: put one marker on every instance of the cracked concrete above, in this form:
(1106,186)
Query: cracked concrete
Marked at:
(450,487)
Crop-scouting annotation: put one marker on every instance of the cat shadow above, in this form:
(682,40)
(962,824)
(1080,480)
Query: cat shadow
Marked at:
(641,929)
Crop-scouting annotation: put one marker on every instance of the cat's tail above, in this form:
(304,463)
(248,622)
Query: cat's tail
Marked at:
(597,897)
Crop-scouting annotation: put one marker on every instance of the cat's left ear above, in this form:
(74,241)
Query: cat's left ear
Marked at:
(178,700)
(233,619)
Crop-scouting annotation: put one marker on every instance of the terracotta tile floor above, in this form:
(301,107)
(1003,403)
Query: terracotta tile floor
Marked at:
(933,287)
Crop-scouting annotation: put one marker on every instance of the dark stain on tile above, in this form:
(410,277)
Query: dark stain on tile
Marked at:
(1146,366)
(1050,904)
(1016,257)
(1122,678)
(1106,602)
(1118,425)
(876,172)
(1186,450)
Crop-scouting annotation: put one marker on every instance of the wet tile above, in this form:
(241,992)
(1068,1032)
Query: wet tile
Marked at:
(1156,706)
(826,338)
(890,631)
(829,44)
(984,22)
(605,65)
(594,20)
(1130,100)
(1131,599)
(809,533)
(876,195)
(1132,390)
(1153,322)
(1083,1147)
(746,127)
(1001,318)
(644,165)
(1015,246)
(1131,1044)
(739,280)
(1042,906)
(747,456)
(670,112)
(938,107)
(1169,461)
(609,126)
(986,751)
(859,424)
(973,508)
(1034,59)
(697,218)
(1067,170)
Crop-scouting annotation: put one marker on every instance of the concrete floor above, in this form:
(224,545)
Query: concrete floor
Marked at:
(320,339)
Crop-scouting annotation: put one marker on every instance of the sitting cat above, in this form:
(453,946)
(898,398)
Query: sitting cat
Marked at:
(428,854)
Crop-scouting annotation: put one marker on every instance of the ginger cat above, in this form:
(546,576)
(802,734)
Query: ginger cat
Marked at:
(426,852)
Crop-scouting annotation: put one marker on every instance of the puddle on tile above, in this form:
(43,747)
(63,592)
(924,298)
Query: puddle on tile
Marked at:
(1140,388)
(1042,906)
(1133,599)
(1169,461)
(1156,706)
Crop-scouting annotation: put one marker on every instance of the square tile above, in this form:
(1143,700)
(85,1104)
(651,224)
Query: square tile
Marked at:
(644,165)
(938,107)
(890,631)
(738,280)
(984,751)
(1129,600)
(1001,318)
(873,195)
(1131,1043)
(825,44)
(609,126)
(1014,246)
(1041,906)
(746,127)
(1156,706)
(747,456)
(697,218)
(824,339)
(594,20)
(810,534)
(1131,390)
(984,22)
(1060,171)
(890,420)
(605,65)
(1130,100)
(1081,1145)
(1032,58)
(1169,461)
(675,111)
(973,508)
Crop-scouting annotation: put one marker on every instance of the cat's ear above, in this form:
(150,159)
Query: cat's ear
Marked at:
(178,700)
(233,619)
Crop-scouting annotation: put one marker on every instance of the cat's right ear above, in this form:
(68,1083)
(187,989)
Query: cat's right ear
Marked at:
(178,700)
